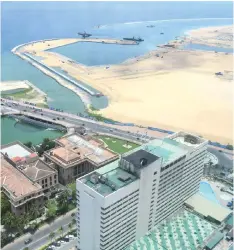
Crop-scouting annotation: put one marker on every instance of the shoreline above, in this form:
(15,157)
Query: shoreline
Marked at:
(97,76)
(79,89)
(25,87)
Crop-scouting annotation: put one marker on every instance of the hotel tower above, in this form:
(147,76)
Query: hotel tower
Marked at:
(120,202)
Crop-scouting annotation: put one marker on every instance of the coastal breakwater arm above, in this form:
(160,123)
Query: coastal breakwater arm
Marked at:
(26,51)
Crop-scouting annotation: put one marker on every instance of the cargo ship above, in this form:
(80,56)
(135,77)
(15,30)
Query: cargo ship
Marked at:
(133,39)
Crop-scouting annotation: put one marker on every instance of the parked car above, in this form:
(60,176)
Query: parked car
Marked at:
(51,247)
(28,241)
(71,236)
(61,242)
(66,238)
(56,244)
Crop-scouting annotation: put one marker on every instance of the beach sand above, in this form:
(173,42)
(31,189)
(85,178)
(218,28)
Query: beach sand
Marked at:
(177,92)
(11,85)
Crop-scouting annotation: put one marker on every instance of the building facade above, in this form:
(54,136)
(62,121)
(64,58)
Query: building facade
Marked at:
(120,202)
(25,179)
(76,156)
(21,192)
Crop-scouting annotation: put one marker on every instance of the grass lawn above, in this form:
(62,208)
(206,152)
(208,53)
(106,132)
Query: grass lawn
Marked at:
(27,94)
(118,145)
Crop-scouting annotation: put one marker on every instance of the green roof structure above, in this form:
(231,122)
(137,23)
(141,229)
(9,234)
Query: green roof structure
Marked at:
(230,220)
(216,238)
(183,231)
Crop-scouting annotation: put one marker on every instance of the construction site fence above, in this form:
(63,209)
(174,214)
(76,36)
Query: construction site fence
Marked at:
(216,144)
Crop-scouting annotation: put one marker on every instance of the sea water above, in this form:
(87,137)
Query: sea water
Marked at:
(94,54)
(23,22)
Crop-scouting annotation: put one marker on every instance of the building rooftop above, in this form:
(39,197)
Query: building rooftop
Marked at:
(75,148)
(207,208)
(230,220)
(37,170)
(182,231)
(15,182)
(17,152)
(140,158)
(187,139)
(215,239)
(167,150)
(108,178)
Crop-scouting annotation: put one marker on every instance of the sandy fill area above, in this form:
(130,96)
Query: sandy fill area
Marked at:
(221,36)
(6,86)
(177,90)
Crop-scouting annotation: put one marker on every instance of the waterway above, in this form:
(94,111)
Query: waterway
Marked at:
(11,130)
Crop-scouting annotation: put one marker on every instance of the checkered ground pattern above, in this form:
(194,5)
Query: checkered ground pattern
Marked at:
(183,231)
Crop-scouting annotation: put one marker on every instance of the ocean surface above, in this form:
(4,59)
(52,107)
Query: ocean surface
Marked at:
(94,54)
(23,22)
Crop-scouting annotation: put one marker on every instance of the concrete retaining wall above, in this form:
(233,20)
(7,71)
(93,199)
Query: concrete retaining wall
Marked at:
(61,75)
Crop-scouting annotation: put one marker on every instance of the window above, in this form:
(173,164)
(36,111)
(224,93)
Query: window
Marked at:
(45,180)
(55,176)
(42,181)
(50,178)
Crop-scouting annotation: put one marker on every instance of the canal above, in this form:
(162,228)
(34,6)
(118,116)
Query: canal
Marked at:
(12,130)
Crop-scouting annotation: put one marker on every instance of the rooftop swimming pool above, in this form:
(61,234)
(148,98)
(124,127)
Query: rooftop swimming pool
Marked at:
(207,191)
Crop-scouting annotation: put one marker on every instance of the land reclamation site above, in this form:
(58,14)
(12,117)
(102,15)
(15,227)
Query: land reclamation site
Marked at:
(170,88)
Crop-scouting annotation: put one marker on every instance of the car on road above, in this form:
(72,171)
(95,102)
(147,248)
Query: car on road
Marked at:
(56,244)
(61,242)
(51,247)
(71,236)
(66,238)
(28,241)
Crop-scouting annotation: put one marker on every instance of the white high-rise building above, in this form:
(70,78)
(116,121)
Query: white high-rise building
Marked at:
(120,202)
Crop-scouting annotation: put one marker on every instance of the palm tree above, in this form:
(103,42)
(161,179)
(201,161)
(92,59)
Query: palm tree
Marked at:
(73,221)
(70,225)
(63,199)
(34,212)
(60,231)
(51,236)
(9,220)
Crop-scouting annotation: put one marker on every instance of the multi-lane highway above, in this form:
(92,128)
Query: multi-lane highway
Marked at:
(41,236)
(72,119)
